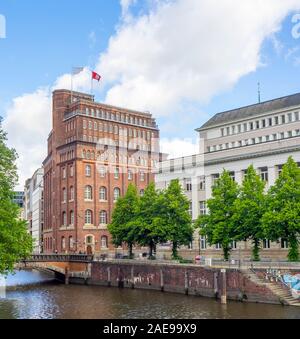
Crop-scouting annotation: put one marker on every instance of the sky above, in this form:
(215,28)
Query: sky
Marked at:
(182,60)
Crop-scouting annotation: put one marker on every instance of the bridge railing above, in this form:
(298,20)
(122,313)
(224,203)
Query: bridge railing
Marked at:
(60,257)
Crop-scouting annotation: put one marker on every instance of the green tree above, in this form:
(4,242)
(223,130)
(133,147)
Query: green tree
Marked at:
(249,209)
(218,224)
(282,218)
(123,227)
(175,217)
(150,229)
(15,242)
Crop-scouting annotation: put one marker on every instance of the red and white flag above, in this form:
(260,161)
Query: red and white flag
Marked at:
(96,76)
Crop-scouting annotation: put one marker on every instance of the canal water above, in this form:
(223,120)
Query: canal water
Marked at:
(35,295)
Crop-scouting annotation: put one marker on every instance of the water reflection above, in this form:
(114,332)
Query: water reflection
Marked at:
(52,300)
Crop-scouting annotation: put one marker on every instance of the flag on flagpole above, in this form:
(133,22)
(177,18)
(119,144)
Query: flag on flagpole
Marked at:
(96,76)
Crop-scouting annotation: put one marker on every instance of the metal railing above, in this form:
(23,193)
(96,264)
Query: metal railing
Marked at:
(60,258)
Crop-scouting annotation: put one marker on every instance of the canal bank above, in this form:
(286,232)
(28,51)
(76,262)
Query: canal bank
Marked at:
(58,301)
(223,284)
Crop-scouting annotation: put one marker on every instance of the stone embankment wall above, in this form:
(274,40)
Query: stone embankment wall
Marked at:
(187,279)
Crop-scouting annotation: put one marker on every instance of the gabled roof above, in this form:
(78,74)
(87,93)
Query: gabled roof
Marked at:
(252,111)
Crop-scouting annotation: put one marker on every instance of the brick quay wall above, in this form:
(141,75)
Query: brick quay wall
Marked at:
(176,278)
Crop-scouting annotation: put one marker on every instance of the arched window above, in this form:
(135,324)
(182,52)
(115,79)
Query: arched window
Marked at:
(88,193)
(71,193)
(103,193)
(88,170)
(88,217)
(89,239)
(71,218)
(103,217)
(104,241)
(63,243)
(117,173)
(117,194)
(64,219)
(64,193)
(71,242)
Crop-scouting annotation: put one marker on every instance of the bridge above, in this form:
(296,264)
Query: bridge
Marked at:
(65,266)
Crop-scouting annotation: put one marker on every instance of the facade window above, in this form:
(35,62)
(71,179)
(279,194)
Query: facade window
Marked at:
(142,193)
(279,169)
(202,184)
(270,122)
(276,120)
(64,173)
(103,217)
(191,209)
(232,175)
(290,117)
(117,194)
(142,176)
(222,132)
(239,128)
(203,243)
(263,123)
(88,193)
(117,173)
(64,195)
(257,124)
(88,171)
(266,244)
(71,242)
(64,219)
(63,243)
(202,205)
(218,246)
(284,244)
(84,124)
(130,175)
(102,172)
(103,193)
(234,245)
(188,185)
(296,116)
(264,174)
(283,119)
(215,177)
(88,217)
(290,134)
(71,193)
(72,218)
(104,242)
(71,171)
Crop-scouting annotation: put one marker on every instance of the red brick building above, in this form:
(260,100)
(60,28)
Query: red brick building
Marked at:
(94,152)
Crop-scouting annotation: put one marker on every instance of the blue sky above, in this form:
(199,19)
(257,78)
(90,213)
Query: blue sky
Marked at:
(46,38)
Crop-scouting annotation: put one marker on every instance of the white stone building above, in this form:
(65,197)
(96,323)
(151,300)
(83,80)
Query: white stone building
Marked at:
(34,208)
(264,135)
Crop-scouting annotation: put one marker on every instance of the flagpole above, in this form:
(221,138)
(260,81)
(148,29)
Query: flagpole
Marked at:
(72,86)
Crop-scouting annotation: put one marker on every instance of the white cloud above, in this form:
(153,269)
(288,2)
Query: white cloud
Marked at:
(176,148)
(28,123)
(187,50)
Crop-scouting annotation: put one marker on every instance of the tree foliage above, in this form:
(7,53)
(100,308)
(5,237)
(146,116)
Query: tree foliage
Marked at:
(249,208)
(218,224)
(15,242)
(282,218)
(176,219)
(150,230)
(123,227)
